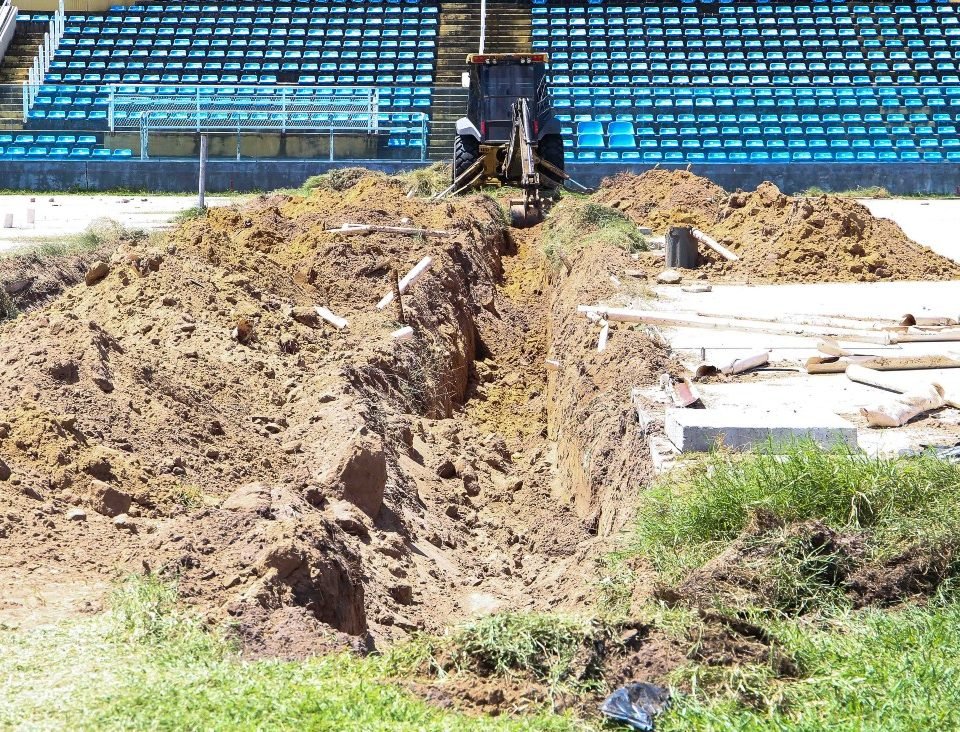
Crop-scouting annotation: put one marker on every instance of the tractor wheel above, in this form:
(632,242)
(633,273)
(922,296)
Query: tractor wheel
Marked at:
(466,152)
(551,150)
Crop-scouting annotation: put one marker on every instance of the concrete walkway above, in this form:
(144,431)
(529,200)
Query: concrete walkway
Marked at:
(60,215)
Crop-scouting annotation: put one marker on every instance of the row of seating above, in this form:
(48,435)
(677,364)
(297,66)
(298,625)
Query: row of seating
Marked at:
(601,120)
(624,134)
(62,151)
(869,156)
(759,7)
(698,140)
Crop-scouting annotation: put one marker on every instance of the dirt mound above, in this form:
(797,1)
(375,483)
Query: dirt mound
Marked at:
(778,238)
(190,415)
(660,198)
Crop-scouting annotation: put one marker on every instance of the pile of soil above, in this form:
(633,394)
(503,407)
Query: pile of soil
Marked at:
(778,238)
(188,414)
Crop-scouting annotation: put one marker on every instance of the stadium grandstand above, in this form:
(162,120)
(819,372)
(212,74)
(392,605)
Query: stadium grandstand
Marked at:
(854,88)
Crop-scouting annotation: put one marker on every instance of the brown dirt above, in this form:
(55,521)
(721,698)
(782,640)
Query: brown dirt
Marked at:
(320,489)
(778,238)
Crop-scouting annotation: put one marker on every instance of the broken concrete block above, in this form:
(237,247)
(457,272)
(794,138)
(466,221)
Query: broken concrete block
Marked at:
(698,430)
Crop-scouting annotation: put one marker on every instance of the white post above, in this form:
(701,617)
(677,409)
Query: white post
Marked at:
(203,172)
(483,23)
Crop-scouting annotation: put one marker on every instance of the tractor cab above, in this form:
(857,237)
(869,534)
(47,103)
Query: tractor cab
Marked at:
(495,82)
(510,133)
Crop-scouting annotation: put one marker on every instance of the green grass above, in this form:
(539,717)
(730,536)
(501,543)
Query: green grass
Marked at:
(579,223)
(427,181)
(901,501)
(147,665)
(871,192)
(188,214)
(549,648)
(872,670)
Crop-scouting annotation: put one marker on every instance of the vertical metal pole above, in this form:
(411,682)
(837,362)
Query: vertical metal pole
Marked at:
(423,137)
(201,203)
(483,23)
(25,106)
(331,140)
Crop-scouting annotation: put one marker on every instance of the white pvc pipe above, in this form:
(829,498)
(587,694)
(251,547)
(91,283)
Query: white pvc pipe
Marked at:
(900,410)
(604,335)
(483,23)
(335,320)
(412,276)
(653,317)
(402,334)
(737,366)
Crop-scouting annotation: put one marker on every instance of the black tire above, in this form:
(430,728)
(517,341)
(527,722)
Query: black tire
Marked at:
(550,149)
(466,152)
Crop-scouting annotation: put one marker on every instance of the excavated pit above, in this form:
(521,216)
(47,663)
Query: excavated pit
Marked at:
(191,416)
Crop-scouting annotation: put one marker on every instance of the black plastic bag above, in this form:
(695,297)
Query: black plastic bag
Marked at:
(636,704)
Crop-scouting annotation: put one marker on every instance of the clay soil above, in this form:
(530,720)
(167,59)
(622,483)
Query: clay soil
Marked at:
(190,415)
(778,238)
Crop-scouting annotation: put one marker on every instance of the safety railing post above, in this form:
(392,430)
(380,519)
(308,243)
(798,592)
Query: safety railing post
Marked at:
(110,109)
(283,110)
(26,107)
(423,137)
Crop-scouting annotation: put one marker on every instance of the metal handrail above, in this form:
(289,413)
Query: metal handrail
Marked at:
(43,59)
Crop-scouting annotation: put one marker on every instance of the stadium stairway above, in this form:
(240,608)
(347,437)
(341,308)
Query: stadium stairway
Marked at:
(13,72)
(508,31)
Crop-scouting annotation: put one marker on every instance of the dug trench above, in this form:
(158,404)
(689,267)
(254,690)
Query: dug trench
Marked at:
(189,415)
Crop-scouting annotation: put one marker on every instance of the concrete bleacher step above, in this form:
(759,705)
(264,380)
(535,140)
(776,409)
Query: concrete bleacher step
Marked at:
(507,31)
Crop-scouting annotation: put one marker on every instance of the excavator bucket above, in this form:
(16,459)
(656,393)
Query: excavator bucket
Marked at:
(525,212)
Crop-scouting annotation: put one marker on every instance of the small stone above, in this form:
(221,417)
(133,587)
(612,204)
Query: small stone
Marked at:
(97,272)
(699,287)
(305,316)
(292,448)
(470,483)
(124,522)
(273,428)
(231,580)
(447,470)
(106,499)
(5,471)
(76,514)
(249,497)
(402,594)
(669,277)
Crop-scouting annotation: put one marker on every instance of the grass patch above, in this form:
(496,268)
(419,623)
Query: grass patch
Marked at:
(337,179)
(579,223)
(147,665)
(871,670)
(427,181)
(548,648)
(866,192)
(189,214)
(900,501)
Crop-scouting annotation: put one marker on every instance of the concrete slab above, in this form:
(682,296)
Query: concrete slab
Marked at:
(698,430)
